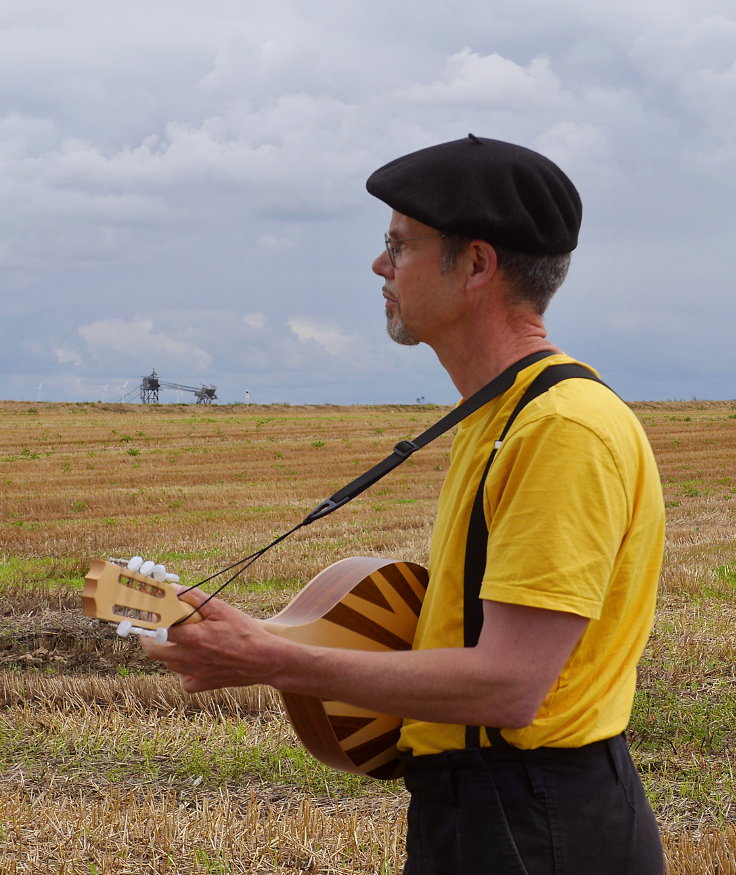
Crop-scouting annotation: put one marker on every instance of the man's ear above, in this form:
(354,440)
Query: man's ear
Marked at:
(483,262)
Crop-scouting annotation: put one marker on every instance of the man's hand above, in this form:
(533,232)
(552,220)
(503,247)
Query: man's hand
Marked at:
(500,682)
(228,648)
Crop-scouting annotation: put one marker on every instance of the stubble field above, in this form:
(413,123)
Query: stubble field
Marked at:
(105,767)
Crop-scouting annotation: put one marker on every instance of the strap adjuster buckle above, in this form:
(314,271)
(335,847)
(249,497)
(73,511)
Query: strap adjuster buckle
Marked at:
(405,448)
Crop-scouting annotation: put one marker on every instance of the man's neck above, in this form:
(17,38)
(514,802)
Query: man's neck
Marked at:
(485,352)
(471,379)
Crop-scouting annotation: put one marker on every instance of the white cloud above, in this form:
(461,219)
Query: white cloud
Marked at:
(66,355)
(492,81)
(137,340)
(329,336)
(212,163)
(254,320)
(575,143)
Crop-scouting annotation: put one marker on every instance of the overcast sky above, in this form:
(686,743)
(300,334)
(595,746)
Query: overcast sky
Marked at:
(182,187)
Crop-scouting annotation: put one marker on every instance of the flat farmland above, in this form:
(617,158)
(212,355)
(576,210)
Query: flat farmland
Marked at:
(106,767)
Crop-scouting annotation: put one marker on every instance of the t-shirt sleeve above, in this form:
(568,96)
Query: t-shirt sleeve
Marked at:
(557,513)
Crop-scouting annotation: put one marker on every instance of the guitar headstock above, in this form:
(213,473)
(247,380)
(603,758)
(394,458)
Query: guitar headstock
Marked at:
(115,593)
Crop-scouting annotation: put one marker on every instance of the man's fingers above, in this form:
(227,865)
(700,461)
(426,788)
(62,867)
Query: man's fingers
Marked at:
(196,598)
(152,649)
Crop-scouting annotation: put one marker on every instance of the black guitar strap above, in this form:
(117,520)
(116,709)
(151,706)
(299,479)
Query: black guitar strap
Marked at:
(401,453)
(404,449)
(477,544)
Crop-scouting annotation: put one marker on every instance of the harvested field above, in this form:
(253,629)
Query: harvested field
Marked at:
(107,768)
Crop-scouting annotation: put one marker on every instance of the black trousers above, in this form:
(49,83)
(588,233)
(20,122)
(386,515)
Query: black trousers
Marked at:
(550,811)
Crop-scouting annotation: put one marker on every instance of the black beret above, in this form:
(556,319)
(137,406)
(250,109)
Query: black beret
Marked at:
(499,192)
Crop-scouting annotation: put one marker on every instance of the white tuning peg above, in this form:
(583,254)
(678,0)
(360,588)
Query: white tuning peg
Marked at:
(150,568)
(125,628)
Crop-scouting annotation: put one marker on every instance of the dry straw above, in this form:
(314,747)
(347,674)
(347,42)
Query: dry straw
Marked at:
(108,768)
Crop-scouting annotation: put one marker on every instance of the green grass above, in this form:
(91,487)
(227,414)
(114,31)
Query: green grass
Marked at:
(115,744)
(67,491)
(30,572)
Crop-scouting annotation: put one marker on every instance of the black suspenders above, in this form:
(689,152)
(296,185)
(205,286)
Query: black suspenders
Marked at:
(477,543)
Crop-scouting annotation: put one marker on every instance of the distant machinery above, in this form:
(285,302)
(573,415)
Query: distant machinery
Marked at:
(204,395)
(150,386)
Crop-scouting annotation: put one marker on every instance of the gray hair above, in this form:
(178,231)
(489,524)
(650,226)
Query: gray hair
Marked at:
(533,279)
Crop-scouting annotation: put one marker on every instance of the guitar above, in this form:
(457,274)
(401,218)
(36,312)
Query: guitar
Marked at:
(360,603)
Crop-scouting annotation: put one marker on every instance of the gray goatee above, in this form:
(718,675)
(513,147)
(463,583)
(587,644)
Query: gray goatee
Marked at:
(398,332)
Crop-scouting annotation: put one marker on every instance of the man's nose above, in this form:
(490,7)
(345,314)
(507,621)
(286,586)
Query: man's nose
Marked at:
(382,265)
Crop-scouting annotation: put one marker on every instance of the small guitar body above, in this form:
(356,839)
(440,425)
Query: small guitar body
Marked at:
(360,603)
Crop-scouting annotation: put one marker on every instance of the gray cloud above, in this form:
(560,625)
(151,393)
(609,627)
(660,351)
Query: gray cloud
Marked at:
(184,186)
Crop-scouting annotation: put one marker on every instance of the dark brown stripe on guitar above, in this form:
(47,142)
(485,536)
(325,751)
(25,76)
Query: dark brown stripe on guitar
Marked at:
(369,591)
(395,576)
(356,622)
(363,753)
(344,725)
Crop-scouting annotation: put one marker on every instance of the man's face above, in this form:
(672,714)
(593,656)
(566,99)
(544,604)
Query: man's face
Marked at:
(417,290)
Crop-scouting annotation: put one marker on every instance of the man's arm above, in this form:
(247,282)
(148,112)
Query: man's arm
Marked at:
(500,682)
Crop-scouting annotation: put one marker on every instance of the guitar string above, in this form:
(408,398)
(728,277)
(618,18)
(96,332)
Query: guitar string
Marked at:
(246,562)
(403,450)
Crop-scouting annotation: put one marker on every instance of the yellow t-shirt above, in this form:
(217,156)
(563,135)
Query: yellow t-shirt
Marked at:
(574,509)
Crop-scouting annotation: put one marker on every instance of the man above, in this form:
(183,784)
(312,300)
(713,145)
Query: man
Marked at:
(514,703)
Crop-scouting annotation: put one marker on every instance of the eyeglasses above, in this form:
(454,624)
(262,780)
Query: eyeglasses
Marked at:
(394,245)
